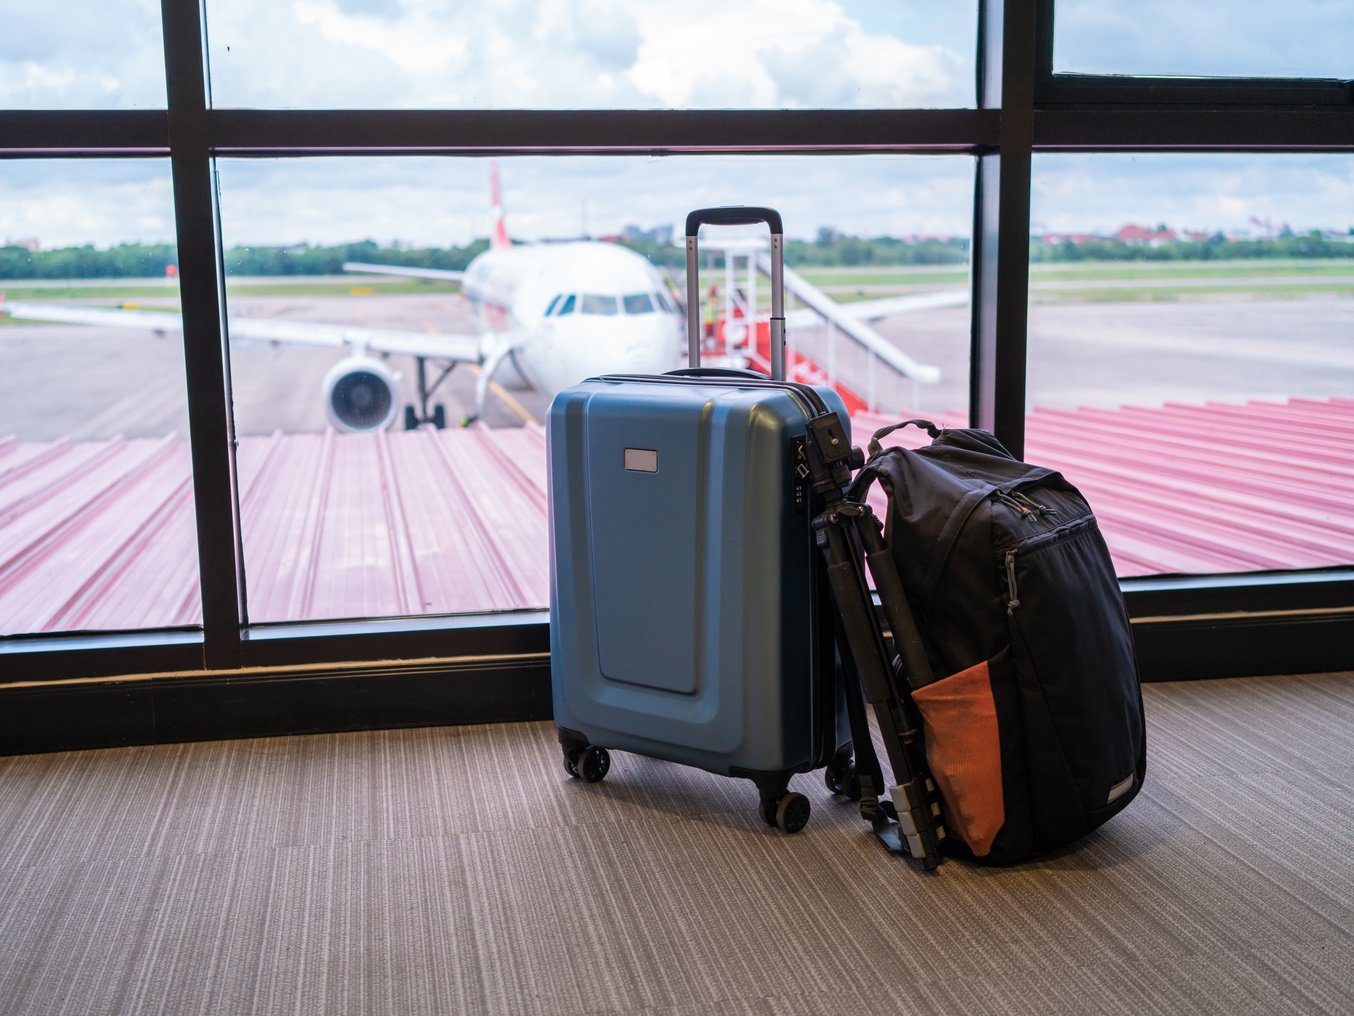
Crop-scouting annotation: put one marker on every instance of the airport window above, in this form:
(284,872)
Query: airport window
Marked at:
(652,54)
(51,60)
(347,512)
(1190,321)
(1239,38)
(96,485)
(856,120)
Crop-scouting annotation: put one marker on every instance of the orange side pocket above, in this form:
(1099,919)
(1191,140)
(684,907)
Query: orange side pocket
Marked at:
(963,747)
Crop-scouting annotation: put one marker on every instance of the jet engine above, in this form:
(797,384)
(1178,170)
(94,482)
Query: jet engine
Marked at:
(360,395)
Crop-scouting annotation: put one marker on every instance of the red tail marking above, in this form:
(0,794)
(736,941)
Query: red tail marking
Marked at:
(500,238)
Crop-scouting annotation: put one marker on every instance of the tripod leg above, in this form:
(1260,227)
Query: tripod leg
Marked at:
(869,653)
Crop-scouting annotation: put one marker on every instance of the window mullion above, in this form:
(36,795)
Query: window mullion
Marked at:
(202,287)
(1007,70)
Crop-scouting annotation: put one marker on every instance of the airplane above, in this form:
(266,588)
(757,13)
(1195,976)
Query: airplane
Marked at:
(547,315)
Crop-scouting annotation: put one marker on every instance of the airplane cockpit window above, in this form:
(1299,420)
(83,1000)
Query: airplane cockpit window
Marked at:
(664,302)
(595,303)
(637,303)
(551,308)
(567,307)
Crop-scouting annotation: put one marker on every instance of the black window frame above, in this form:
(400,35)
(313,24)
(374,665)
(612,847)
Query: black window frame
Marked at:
(1195,627)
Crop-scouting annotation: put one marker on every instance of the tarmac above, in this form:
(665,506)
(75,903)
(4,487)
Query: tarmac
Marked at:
(81,382)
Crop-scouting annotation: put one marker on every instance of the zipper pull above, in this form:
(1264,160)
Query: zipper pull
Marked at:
(1036,509)
(1010,501)
(1014,601)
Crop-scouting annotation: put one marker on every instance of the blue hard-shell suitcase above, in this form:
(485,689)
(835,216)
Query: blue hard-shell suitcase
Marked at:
(689,610)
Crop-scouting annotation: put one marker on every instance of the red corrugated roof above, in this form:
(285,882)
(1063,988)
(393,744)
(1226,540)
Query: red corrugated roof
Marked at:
(99,535)
(1207,489)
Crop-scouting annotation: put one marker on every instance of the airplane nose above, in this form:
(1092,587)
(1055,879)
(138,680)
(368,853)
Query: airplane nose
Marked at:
(629,347)
(652,350)
(641,360)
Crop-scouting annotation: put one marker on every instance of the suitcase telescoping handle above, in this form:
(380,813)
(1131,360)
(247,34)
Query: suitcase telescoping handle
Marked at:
(737,215)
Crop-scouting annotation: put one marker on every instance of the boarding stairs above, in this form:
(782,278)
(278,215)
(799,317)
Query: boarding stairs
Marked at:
(732,342)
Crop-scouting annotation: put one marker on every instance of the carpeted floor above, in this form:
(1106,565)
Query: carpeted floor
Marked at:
(459,870)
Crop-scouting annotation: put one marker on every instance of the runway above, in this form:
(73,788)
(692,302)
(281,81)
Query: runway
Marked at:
(88,383)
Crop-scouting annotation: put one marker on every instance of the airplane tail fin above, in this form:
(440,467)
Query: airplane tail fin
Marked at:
(500,238)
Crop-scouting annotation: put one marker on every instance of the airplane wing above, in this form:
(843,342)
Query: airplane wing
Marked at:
(434,345)
(873,310)
(441,274)
(153,321)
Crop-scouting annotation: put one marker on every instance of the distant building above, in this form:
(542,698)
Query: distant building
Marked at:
(28,243)
(661,235)
(1072,238)
(1143,237)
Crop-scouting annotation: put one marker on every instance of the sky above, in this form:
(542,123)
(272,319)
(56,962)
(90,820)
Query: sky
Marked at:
(505,54)
(1212,38)
(641,54)
(435,201)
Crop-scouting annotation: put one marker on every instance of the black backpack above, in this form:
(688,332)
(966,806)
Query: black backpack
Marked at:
(1035,732)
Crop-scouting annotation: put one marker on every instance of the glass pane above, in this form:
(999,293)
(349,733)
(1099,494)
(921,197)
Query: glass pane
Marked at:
(1192,354)
(1238,38)
(347,513)
(110,56)
(96,494)
(603,54)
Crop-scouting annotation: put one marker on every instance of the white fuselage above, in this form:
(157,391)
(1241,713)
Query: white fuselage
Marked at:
(571,311)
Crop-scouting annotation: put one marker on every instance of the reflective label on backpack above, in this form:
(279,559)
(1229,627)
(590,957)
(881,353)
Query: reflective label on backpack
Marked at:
(1120,789)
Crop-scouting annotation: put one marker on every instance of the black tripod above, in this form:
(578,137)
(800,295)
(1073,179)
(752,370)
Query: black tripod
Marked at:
(849,534)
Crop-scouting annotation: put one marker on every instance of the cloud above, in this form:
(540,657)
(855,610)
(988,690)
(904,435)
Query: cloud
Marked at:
(108,57)
(1075,193)
(1296,38)
(556,54)
(99,201)
(445,200)
(547,54)
(417,44)
(786,53)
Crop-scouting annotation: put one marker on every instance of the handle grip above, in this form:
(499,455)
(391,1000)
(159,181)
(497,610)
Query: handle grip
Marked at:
(733,215)
(717,372)
(737,215)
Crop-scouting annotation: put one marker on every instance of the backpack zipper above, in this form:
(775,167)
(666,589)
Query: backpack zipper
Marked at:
(1014,600)
(1030,511)
(1035,544)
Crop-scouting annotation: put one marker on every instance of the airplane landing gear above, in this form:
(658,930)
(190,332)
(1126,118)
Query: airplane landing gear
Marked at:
(412,419)
(415,416)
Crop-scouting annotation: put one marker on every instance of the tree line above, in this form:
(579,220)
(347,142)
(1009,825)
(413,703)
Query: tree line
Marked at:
(830,248)
(1214,248)
(137,260)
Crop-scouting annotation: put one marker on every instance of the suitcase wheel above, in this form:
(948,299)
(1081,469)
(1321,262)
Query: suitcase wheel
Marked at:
(789,813)
(844,781)
(589,764)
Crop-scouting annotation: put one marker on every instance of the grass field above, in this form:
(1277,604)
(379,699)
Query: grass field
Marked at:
(1093,282)
(1116,282)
